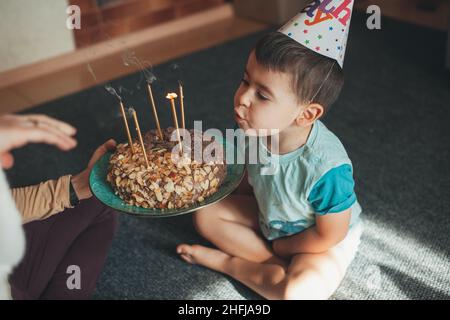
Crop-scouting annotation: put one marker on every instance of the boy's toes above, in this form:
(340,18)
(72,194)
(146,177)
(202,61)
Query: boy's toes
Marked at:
(186,252)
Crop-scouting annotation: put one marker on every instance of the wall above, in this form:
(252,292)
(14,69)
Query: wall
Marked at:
(275,12)
(32,30)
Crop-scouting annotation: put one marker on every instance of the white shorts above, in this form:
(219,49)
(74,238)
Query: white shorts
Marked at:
(348,247)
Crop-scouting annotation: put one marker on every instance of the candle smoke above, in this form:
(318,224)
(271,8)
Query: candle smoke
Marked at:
(176,69)
(91,71)
(112,91)
(122,89)
(130,58)
(151,79)
(108,87)
(130,112)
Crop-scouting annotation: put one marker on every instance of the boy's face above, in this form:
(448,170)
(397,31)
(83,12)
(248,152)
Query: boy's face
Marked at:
(265,99)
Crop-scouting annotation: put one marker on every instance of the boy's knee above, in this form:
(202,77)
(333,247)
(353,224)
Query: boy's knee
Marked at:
(204,218)
(305,286)
(290,292)
(200,220)
(293,291)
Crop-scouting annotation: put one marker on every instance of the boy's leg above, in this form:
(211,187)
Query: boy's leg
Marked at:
(264,278)
(79,236)
(309,276)
(232,225)
(317,276)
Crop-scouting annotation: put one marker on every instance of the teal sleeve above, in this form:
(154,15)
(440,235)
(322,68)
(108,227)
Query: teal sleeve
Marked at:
(334,192)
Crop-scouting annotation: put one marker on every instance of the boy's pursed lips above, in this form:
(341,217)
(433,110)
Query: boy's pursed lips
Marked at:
(237,116)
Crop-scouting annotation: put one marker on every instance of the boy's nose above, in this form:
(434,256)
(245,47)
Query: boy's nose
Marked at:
(244,100)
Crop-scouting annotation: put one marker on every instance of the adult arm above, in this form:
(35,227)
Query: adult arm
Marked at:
(51,197)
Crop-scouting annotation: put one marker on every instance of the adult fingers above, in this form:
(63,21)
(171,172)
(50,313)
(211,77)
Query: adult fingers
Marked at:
(51,122)
(43,135)
(18,130)
(65,141)
(6,160)
(110,144)
(100,151)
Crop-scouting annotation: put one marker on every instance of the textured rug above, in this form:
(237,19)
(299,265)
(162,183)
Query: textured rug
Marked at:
(393,117)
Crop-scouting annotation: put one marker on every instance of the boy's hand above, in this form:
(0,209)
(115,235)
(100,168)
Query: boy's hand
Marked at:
(80,182)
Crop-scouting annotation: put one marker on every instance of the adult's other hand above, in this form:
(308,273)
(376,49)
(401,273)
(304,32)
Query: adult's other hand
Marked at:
(80,182)
(19,130)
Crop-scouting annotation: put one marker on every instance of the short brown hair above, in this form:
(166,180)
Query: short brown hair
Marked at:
(278,52)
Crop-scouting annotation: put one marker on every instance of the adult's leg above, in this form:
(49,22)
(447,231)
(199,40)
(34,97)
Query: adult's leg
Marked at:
(79,236)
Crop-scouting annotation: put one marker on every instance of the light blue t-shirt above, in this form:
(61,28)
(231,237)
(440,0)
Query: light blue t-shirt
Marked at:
(291,189)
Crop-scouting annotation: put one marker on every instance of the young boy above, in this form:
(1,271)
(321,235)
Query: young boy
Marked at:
(291,234)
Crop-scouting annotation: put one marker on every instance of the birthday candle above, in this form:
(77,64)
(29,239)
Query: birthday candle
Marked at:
(183,125)
(155,114)
(138,129)
(172,97)
(127,128)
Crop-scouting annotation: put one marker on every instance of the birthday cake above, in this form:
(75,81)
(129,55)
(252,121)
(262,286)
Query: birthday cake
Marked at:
(167,182)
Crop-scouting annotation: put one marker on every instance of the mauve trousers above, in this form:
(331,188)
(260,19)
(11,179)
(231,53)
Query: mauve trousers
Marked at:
(79,237)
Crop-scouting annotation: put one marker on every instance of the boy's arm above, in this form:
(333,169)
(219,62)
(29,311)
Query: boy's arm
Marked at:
(328,231)
(331,199)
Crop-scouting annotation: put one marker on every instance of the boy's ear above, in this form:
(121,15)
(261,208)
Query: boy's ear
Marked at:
(309,114)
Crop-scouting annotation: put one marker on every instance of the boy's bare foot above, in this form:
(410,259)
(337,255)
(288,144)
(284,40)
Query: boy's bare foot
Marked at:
(198,254)
(186,253)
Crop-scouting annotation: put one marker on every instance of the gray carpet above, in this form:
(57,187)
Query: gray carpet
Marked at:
(393,117)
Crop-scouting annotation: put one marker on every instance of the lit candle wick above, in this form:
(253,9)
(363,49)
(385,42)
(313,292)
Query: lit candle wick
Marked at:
(172,96)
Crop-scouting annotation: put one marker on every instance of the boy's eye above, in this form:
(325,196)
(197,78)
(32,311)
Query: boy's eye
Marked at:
(261,96)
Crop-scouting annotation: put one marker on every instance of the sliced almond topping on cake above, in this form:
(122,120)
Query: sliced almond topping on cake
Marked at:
(169,187)
(158,195)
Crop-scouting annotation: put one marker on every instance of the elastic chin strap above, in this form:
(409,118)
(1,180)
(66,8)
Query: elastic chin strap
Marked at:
(323,82)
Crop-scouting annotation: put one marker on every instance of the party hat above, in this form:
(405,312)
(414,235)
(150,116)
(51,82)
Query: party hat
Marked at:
(323,27)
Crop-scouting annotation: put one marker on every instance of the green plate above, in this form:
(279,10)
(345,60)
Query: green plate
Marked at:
(103,191)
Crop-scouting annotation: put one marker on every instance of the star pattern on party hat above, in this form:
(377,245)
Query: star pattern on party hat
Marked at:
(323,27)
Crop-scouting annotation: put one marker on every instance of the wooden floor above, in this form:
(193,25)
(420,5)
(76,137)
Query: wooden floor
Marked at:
(41,82)
(31,85)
